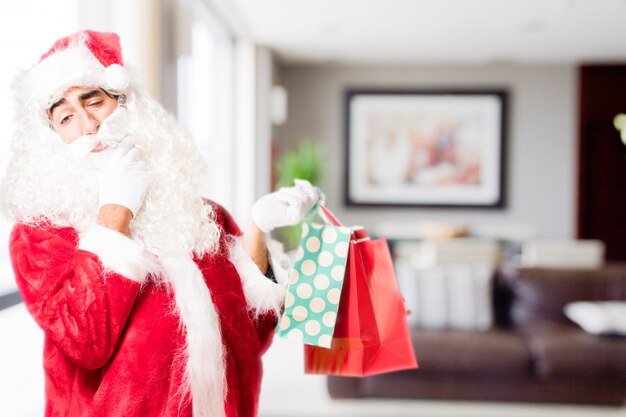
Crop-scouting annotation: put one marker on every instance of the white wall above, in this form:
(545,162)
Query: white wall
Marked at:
(264,74)
(138,23)
(541,142)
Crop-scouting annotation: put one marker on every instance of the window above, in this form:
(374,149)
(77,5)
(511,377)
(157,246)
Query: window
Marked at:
(205,98)
(25,35)
(27,29)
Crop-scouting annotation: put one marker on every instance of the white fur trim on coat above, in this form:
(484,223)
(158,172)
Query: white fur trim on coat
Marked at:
(205,372)
(261,293)
(118,253)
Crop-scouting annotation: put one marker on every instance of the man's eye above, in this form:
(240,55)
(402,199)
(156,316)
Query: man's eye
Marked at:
(65,120)
(95,103)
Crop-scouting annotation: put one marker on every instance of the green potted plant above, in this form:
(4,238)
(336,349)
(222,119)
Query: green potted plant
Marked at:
(304,163)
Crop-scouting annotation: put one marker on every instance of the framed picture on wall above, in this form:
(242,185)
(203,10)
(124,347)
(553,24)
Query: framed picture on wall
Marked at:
(425,148)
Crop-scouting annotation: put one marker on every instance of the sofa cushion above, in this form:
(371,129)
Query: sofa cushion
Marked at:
(471,352)
(447,296)
(541,294)
(600,317)
(573,353)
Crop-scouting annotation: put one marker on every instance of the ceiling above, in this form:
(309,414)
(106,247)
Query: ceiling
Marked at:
(391,32)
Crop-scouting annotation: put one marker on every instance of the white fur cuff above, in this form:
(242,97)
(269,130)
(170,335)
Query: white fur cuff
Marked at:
(261,293)
(280,261)
(117,252)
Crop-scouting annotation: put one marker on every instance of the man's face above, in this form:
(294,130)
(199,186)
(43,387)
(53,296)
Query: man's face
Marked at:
(80,112)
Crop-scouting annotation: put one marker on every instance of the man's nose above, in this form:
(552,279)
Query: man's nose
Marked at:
(89,124)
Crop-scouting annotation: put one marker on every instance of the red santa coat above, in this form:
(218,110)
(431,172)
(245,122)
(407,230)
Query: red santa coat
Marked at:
(115,346)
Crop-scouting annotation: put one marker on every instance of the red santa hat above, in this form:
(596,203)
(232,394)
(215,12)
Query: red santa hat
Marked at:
(85,58)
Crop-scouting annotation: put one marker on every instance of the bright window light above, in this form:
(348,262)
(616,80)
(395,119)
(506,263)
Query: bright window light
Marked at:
(27,29)
(205,97)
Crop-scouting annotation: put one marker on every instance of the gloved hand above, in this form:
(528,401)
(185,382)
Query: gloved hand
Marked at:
(124,180)
(285,207)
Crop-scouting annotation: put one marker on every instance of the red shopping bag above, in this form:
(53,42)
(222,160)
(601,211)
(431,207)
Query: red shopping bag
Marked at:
(371,334)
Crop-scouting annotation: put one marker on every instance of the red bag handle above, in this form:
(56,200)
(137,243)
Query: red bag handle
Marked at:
(358,232)
(328,215)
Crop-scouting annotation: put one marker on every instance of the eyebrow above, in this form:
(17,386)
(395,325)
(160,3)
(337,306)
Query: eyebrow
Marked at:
(83,97)
(55,105)
(89,94)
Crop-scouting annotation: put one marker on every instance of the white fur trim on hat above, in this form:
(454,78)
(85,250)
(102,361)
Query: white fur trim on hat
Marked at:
(50,78)
(75,66)
(118,253)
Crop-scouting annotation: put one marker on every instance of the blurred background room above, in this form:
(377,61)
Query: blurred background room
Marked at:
(482,138)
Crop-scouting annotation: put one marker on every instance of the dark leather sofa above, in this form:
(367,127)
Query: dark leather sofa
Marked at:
(533,353)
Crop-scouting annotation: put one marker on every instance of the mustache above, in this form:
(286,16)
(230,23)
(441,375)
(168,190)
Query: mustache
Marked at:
(115,128)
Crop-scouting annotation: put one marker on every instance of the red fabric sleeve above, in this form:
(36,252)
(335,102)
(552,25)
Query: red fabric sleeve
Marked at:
(81,310)
(264,323)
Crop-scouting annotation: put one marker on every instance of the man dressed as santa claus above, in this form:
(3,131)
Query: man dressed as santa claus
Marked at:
(152,300)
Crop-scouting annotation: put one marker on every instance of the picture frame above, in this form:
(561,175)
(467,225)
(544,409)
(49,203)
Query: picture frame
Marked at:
(428,148)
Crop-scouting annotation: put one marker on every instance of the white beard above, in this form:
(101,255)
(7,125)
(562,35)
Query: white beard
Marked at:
(49,181)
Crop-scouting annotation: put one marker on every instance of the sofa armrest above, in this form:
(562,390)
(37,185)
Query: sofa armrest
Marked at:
(540,294)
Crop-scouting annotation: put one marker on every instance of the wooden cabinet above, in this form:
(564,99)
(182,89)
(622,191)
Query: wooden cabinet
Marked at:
(602,158)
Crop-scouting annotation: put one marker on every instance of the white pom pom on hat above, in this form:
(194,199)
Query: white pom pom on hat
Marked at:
(116,77)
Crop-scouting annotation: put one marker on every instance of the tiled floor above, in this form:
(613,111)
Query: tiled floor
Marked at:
(286,391)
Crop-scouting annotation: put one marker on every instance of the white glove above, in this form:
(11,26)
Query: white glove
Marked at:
(124,181)
(285,207)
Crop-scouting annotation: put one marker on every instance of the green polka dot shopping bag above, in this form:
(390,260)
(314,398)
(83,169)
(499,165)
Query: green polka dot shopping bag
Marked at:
(315,283)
